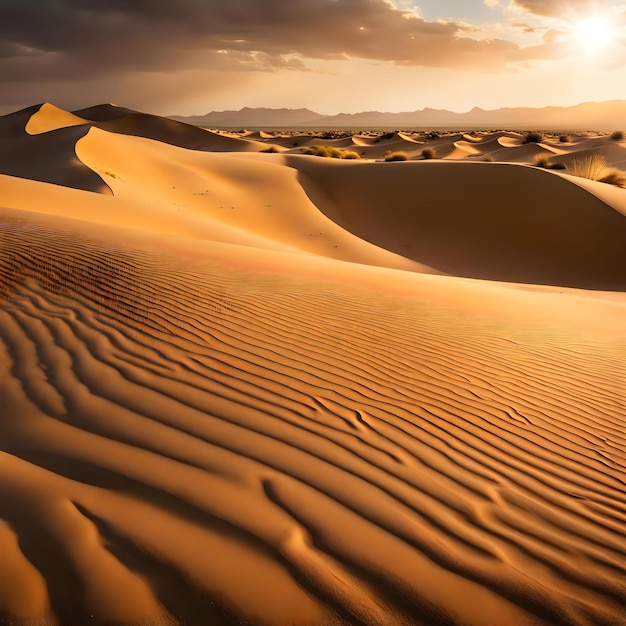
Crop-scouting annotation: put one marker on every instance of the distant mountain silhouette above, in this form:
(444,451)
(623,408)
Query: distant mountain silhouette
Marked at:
(608,115)
(249,117)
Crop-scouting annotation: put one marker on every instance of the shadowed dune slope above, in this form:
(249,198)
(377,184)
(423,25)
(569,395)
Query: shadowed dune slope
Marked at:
(189,440)
(42,120)
(104,112)
(480,220)
(49,157)
(178,134)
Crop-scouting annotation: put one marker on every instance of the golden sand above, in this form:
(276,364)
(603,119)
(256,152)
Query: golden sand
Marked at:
(249,388)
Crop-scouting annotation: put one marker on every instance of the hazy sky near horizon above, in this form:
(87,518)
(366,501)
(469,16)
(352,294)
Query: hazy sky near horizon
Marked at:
(195,56)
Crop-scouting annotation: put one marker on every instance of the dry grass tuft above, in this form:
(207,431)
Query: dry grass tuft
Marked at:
(428,153)
(615,177)
(544,162)
(350,154)
(593,166)
(396,156)
(331,152)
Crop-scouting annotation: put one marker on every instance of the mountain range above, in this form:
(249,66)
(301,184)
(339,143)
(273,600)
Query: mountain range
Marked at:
(608,115)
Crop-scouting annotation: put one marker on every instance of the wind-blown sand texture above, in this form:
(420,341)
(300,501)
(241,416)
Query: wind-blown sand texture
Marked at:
(248,388)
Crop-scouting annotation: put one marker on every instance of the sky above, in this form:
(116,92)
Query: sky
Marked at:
(190,57)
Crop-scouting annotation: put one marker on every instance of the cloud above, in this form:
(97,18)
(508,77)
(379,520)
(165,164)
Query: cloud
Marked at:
(525,28)
(78,47)
(566,9)
(167,93)
(76,37)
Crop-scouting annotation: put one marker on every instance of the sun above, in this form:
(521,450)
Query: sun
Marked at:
(594,34)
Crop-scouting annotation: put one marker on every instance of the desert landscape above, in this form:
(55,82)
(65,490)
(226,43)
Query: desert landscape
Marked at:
(244,384)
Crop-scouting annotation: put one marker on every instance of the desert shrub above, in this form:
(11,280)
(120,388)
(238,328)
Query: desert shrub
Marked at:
(324,151)
(614,177)
(593,166)
(428,153)
(331,152)
(396,156)
(533,137)
(544,162)
(565,138)
(385,137)
(488,159)
(272,149)
(350,154)
(617,135)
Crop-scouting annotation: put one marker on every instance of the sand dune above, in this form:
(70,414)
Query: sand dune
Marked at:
(127,122)
(104,112)
(465,148)
(613,153)
(525,153)
(236,388)
(50,117)
(177,134)
(47,157)
(476,227)
(360,140)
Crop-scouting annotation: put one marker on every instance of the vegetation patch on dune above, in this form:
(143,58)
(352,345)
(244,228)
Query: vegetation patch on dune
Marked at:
(331,152)
(544,162)
(593,166)
(385,137)
(111,174)
(398,155)
(533,137)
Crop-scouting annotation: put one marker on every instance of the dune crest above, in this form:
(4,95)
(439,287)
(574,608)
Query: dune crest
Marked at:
(104,112)
(50,117)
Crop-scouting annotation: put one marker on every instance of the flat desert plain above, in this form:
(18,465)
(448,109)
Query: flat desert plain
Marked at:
(269,388)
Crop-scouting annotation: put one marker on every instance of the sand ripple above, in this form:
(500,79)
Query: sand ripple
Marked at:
(185,443)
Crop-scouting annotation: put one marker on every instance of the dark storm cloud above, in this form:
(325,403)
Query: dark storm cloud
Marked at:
(69,38)
(75,52)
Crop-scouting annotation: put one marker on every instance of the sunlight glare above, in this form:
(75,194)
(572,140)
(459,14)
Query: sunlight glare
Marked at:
(593,34)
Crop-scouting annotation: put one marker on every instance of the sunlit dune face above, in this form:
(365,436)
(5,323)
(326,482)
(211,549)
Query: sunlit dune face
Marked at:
(594,34)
